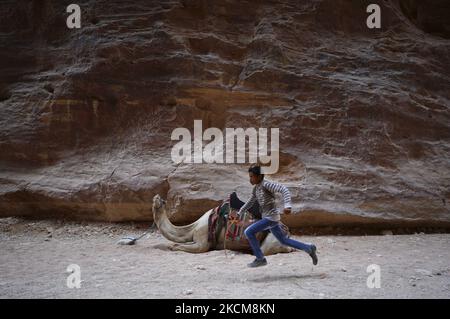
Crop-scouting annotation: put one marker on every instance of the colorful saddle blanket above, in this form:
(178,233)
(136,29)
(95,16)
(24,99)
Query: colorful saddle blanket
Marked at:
(226,216)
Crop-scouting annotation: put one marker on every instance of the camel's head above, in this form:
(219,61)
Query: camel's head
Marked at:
(158,202)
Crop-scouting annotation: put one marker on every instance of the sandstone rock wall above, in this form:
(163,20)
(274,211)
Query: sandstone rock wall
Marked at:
(364,115)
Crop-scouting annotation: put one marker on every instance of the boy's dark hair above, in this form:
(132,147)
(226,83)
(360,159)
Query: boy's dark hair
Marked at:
(255,169)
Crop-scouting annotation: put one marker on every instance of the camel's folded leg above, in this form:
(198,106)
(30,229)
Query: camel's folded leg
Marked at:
(200,243)
(271,246)
(196,247)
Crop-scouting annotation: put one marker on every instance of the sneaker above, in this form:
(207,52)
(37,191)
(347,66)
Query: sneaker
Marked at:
(313,254)
(258,263)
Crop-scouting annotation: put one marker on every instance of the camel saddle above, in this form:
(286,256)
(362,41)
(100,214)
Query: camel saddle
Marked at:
(226,215)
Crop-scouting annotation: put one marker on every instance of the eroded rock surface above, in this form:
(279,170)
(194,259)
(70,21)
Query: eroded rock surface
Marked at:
(86,114)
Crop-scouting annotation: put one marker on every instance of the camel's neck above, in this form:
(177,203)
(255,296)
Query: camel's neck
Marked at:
(180,234)
(160,216)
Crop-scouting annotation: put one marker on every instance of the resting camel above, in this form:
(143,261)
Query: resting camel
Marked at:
(193,238)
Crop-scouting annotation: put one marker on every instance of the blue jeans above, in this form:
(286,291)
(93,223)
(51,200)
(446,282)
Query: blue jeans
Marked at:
(275,229)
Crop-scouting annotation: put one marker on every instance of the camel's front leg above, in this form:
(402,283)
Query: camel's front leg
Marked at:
(200,243)
(196,247)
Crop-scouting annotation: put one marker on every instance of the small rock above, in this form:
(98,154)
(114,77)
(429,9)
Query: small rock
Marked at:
(200,267)
(321,295)
(331,241)
(188,292)
(437,273)
(47,239)
(343,269)
(387,233)
(379,255)
(280,264)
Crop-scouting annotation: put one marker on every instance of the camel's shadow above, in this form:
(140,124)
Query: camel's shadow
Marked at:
(289,278)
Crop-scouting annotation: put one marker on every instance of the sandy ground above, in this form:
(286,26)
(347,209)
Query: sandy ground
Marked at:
(34,256)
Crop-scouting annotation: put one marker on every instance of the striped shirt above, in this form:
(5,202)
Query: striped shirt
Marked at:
(264,193)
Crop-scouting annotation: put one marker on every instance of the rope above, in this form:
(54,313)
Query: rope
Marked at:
(225,239)
(235,221)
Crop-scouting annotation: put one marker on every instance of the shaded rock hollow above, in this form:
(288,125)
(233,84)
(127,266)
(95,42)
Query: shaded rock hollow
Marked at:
(86,114)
